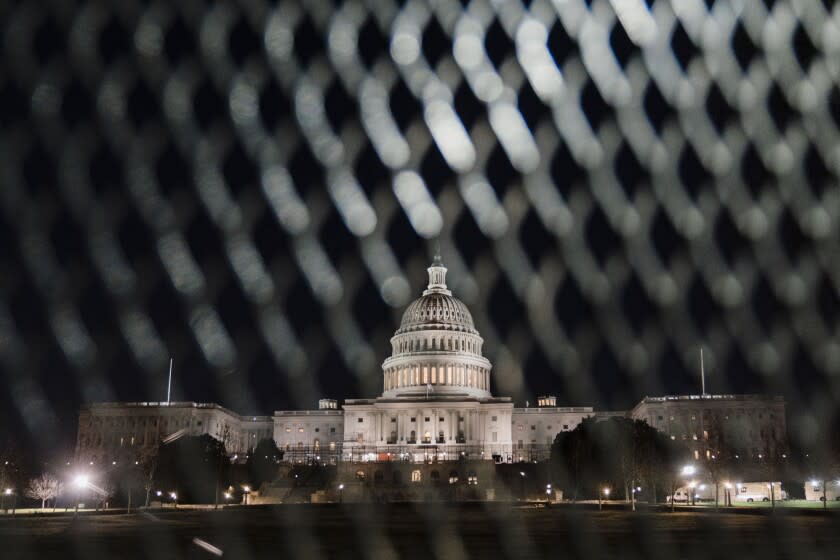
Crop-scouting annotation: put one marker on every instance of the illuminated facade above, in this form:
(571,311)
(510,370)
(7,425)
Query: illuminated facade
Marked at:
(435,405)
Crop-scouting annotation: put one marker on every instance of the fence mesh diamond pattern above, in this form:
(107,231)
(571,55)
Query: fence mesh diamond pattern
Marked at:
(256,188)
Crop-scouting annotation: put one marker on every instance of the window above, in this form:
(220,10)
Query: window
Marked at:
(416,476)
(494,436)
(494,418)
(472,478)
(520,427)
(317,429)
(397,477)
(453,477)
(659,418)
(533,427)
(520,444)
(360,475)
(460,419)
(360,420)
(300,430)
(332,446)
(378,476)
(316,444)
(427,437)
(413,419)
(548,427)
(426,419)
(435,476)
(393,420)
(412,438)
(565,426)
(440,419)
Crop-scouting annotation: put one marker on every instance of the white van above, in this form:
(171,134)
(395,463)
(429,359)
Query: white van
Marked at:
(757,492)
(814,490)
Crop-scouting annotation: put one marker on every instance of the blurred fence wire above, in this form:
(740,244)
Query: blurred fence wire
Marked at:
(257,186)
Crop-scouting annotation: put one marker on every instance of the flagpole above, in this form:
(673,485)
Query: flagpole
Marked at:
(169,386)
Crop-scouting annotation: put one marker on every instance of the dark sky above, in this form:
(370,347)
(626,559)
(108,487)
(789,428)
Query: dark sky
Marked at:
(75,196)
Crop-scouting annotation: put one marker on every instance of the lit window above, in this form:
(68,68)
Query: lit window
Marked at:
(288,430)
(416,476)
(300,430)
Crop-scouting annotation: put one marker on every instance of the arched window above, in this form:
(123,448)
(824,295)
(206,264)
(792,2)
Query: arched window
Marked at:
(316,444)
(412,438)
(435,476)
(360,475)
(416,476)
(472,478)
(453,477)
(378,476)
(440,437)
(427,437)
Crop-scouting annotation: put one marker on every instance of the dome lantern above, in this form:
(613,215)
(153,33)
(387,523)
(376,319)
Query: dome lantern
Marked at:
(437,278)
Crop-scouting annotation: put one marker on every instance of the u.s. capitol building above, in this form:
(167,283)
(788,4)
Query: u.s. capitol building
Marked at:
(436,404)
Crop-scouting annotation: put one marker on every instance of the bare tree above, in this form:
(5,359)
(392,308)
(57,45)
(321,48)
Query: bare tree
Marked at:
(45,487)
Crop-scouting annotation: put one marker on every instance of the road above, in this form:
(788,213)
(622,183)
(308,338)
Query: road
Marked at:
(421,531)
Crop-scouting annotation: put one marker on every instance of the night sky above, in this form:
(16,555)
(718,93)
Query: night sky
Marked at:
(105,176)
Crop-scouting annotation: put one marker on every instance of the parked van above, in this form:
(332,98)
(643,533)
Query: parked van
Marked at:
(757,492)
(814,490)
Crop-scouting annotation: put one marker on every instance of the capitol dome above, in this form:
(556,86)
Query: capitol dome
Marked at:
(436,350)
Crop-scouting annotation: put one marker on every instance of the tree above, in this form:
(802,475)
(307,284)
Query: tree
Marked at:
(45,487)
(620,451)
(263,461)
(190,466)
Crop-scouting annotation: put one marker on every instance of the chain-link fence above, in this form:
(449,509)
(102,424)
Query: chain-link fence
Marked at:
(256,188)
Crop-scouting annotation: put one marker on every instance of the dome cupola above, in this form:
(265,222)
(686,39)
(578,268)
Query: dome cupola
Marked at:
(436,350)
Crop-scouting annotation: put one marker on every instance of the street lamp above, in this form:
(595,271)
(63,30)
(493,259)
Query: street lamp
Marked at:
(8,492)
(245,491)
(340,493)
(692,485)
(689,470)
(80,482)
(606,493)
(727,498)
(174,496)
